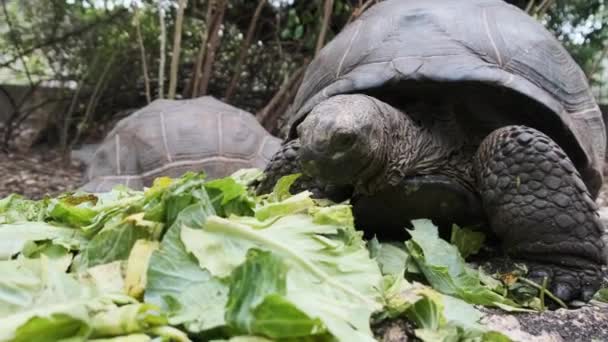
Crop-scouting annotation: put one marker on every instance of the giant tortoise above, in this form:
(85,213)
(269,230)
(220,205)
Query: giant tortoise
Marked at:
(170,137)
(459,111)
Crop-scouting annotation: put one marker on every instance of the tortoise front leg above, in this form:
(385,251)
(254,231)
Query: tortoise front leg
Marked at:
(286,162)
(538,205)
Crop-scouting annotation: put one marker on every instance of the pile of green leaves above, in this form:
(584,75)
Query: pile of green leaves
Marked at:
(208,260)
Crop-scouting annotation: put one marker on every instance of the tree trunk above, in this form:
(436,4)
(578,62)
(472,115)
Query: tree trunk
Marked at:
(8,125)
(142,50)
(177,45)
(328,7)
(200,56)
(67,121)
(243,51)
(163,41)
(213,44)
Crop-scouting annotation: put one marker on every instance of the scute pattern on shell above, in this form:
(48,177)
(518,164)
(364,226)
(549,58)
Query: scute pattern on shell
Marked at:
(445,41)
(171,137)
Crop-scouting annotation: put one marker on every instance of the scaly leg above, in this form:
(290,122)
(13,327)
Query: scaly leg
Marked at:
(538,205)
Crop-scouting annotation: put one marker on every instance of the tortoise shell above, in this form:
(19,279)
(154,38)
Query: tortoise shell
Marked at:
(171,137)
(487,55)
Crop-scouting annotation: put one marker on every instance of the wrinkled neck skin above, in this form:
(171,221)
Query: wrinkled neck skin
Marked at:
(409,149)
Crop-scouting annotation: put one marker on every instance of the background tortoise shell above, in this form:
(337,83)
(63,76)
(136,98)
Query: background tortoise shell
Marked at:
(489,56)
(170,137)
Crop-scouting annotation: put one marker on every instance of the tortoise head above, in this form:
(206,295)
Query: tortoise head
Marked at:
(342,140)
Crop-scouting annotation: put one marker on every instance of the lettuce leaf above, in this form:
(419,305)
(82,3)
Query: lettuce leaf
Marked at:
(257,303)
(15,208)
(13,237)
(328,279)
(445,269)
(467,241)
(178,285)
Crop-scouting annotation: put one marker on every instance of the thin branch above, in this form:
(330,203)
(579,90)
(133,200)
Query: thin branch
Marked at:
(529,6)
(142,50)
(243,51)
(542,9)
(67,120)
(101,84)
(360,9)
(327,10)
(177,45)
(163,40)
(200,56)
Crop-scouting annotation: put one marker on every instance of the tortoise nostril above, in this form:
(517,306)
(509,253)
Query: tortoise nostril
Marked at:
(343,140)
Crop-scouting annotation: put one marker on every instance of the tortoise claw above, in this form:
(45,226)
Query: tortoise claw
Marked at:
(567,284)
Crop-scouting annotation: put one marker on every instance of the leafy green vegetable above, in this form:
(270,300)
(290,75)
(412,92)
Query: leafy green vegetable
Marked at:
(115,240)
(177,284)
(602,295)
(294,204)
(30,283)
(13,237)
(247,177)
(76,216)
(467,241)
(281,189)
(211,259)
(137,267)
(445,269)
(437,317)
(126,319)
(15,208)
(257,303)
(52,327)
(392,258)
(229,197)
(327,278)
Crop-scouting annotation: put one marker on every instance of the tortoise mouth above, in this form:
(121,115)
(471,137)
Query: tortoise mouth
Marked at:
(334,169)
(339,168)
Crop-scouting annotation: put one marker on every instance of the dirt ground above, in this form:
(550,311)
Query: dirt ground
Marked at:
(37,173)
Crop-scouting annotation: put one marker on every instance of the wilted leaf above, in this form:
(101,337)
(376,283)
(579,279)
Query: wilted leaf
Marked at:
(137,267)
